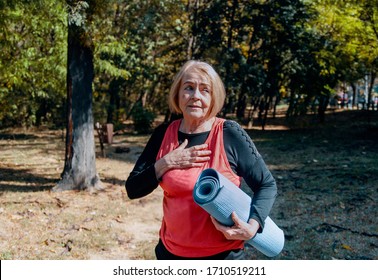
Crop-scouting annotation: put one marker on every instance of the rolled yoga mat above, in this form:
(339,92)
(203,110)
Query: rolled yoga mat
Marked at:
(220,197)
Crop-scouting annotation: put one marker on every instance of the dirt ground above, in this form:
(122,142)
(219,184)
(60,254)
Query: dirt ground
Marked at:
(327,177)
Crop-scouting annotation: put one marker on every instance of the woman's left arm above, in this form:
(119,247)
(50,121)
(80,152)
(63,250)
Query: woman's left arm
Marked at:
(246,161)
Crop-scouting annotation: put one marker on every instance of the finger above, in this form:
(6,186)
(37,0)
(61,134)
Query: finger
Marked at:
(192,163)
(183,145)
(237,221)
(201,159)
(202,153)
(199,147)
(229,233)
(194,158)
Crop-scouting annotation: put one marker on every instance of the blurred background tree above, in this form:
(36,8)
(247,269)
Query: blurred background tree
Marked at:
(32,62)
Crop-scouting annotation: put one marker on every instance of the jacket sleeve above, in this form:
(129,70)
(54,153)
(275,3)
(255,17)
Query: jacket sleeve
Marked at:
(247,163)
(142,179)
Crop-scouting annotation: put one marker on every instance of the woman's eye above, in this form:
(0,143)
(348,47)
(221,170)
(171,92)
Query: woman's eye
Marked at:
(189,88)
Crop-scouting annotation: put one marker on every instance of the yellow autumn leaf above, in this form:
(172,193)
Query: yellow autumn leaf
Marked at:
(346,247)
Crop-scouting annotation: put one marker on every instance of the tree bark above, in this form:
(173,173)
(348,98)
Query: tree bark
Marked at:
(80,161)
(115,88)
(323,103)
(354,103)
(373,75)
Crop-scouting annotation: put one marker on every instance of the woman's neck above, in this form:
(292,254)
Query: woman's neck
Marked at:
(196,126)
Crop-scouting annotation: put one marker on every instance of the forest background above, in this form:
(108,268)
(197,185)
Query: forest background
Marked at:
(265,51)
(282,62)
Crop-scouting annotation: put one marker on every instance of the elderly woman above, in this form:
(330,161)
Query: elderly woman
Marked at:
(176,154)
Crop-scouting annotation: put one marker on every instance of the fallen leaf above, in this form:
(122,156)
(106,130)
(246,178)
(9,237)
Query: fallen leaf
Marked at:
(118,220)
(84,228)
(346,247)
(88,220)
(67,247)
(60,203)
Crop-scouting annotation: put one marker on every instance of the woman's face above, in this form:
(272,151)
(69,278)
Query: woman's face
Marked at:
(195,95)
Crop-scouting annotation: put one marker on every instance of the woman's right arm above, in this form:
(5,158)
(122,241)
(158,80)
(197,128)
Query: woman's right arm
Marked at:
(142,179)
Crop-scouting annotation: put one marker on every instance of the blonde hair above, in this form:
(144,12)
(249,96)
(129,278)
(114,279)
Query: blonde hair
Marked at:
(218,93)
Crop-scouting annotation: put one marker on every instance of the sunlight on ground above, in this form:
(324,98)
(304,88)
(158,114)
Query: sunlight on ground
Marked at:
(272,127)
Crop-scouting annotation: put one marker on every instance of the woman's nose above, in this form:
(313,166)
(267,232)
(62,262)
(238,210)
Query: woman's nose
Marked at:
(196,93)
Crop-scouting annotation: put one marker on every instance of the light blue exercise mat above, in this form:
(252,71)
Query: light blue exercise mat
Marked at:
(220,197)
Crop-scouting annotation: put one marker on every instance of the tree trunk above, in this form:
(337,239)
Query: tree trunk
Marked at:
(370,91)
(241,105)
(80,166)
(115,87)
(192,10)
(276,101)
(266,110)
(323,103)
(354,89)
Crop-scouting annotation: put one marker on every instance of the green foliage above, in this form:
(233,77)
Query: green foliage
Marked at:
(350,27)
(143,118)
(32,62)
(137,45)
(77,13)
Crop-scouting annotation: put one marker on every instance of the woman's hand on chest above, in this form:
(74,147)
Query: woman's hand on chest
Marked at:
(183,157)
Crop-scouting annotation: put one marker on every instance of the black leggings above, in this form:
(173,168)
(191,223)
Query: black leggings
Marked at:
(163,254)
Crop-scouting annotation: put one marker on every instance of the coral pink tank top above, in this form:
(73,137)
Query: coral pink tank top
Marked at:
(186,228)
